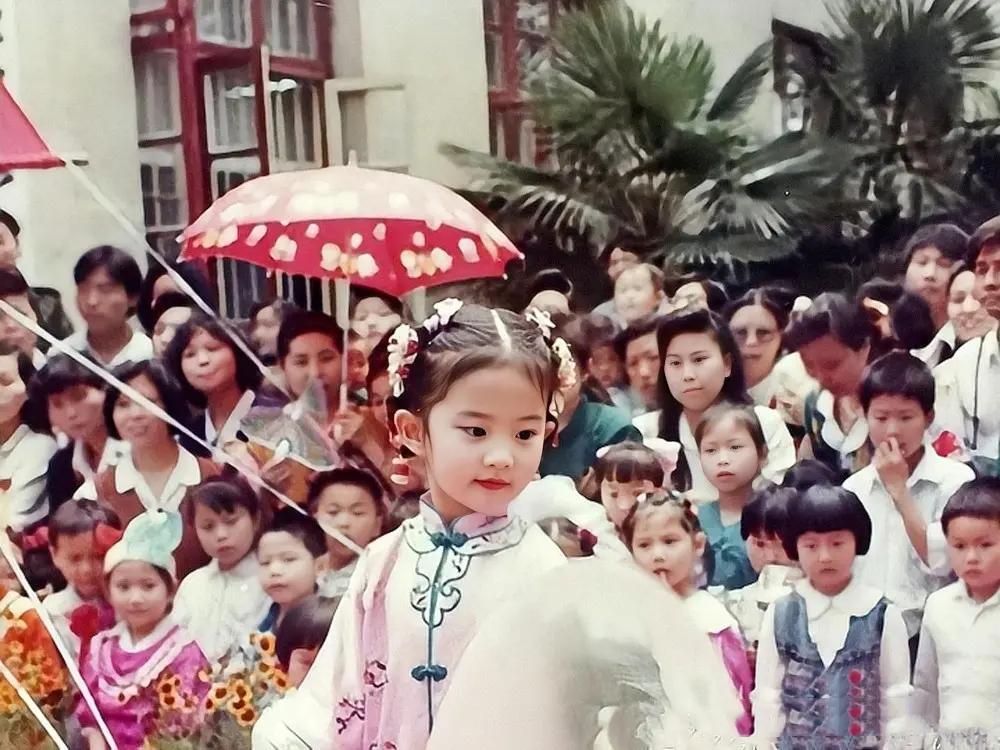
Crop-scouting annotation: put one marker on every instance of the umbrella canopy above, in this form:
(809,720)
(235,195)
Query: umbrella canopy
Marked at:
(384,230)
(20,145)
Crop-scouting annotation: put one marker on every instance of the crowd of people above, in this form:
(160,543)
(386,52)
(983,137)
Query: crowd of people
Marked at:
(816,480)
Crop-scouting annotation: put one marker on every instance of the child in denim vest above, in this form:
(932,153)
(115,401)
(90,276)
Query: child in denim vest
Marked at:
(833,663)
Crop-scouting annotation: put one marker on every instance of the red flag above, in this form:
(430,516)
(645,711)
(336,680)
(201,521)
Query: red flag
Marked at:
(20,145)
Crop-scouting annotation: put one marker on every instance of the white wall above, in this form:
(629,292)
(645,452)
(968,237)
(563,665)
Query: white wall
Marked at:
(68,63)
(437,49)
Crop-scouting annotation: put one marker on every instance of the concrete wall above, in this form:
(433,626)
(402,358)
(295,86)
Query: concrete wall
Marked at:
(68,64)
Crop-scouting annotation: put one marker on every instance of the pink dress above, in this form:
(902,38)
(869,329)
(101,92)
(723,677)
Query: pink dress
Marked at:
(713,618)
(122,677)
(416,599)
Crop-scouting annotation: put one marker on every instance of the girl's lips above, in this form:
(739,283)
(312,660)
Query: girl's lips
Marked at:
(492,484)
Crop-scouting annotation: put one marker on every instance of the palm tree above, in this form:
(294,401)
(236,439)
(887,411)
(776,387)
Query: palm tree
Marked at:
(643,155)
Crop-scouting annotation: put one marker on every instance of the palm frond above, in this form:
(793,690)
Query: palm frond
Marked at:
(740,91)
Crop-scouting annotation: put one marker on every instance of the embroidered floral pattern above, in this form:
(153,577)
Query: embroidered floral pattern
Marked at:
(349,710)
(375,675)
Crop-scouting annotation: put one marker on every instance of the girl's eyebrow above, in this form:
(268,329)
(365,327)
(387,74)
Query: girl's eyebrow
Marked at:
(488,417)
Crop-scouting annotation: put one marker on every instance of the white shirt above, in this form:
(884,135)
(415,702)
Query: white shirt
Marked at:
(232,423)
(932,353)
(126,642)
(221,608)
(780,449)
(961,397)
(892,565)
(24,462)
(831,433)
(113,450)
(957,677)
(749,603)
(138,349)
(829,622)
(186,473)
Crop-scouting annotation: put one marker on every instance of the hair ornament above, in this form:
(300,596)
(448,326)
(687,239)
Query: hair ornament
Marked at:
(876,306)
(801,304)
(567,374)
(404,345)
(543,320)
(151,537)
(444,311)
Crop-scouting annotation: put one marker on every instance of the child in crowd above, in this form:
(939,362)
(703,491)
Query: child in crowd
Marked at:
(592,339)
(290,553)
(638,350)
(222,602)
(832,662)
(808,472)
(763,520)
(351,501)
(374,316)
(905,488)
(932,254)
(666,539)
(955,680)
(624,472)
(638,293)
(78,534)
(700,366)
(473,400)
(733,449)
(301,634)
(125,664)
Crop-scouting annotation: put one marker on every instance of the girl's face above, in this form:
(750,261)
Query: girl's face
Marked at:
(208,364)
(313,356)
(138,427)
(729,456)
(264,332)
(139,595)
(13,392)
(349,509)
(766,549)
(826,559)
(759,338)
(225,537)
(357,365)
(373,319)
(605,366)
(78,412)
(696,370)
(970,318)
(482,443)
(377,398)
(927,275)
(636,294)
(837,367)
(661,545)
(618,498)
(166,327)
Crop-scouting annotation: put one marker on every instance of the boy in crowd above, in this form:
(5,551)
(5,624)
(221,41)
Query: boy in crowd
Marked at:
(637,348)
(290,553)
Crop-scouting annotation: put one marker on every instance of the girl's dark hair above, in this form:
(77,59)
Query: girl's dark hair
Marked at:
(190,272)
(715,293)
(248,376)
(638,329)
(678,508)
(306,625)
(808,473)
(629,462)
(909,314)
(549,279)
(469,343)
(57,376)
(353,477)
(359,293)
(767,512)
(776,300)
(170,392)
(163,573)
(979,498)
(822,509)
(224,494)
(733,388)
(962,268)
(744,415)
(575,331)
(33,412)
(837,316)
(79,517)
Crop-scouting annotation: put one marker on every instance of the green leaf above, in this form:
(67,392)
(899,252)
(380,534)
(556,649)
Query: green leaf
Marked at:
(740,91)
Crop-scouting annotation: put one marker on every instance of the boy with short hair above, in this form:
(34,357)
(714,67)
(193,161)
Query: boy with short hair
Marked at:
(291,554)
(956,689)
(108,282)
(906,486)
(15,292)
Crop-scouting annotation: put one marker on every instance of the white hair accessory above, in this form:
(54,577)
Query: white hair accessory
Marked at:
(801,304)
(543,320)
(402,350)
(567,375)
(444,311)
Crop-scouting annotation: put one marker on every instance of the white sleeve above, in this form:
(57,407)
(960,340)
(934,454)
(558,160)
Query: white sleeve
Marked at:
(925,679)
(894,673)
(948,412)
(780,446)
(937,546)
(184,601)
(769,718)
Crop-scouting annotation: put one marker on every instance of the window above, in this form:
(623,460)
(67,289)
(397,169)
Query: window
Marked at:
(223,21)
(164,196)
(156,97)
(295,122)
(229,110)
(290,27)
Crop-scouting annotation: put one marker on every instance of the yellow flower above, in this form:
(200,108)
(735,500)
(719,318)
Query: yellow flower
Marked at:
(266,643)
(247,717)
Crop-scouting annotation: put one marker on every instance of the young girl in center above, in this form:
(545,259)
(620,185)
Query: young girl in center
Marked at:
(125,666)
(666,539)
(732,450)
(624,472)
(473,399)
(833,662)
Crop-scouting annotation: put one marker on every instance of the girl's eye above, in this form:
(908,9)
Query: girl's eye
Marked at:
(643,545)
(474,431)
(526,434)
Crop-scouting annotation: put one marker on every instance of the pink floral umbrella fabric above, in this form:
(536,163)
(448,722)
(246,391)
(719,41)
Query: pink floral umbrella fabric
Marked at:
(384,230)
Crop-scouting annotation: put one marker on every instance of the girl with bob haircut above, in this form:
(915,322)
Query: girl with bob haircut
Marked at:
(624,472)
(700,366)
(156,473)
(833,661)
(215,375)
(836,339)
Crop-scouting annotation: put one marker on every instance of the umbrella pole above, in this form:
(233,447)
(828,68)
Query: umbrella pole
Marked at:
(342,287)
(418,304)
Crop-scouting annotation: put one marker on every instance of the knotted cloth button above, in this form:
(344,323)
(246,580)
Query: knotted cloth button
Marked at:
(452,540)
(432,671)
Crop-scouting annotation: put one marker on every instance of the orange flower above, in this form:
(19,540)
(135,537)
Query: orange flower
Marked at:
(280,681)
(266,643)
(169,701)
(239,688)
(247,717)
